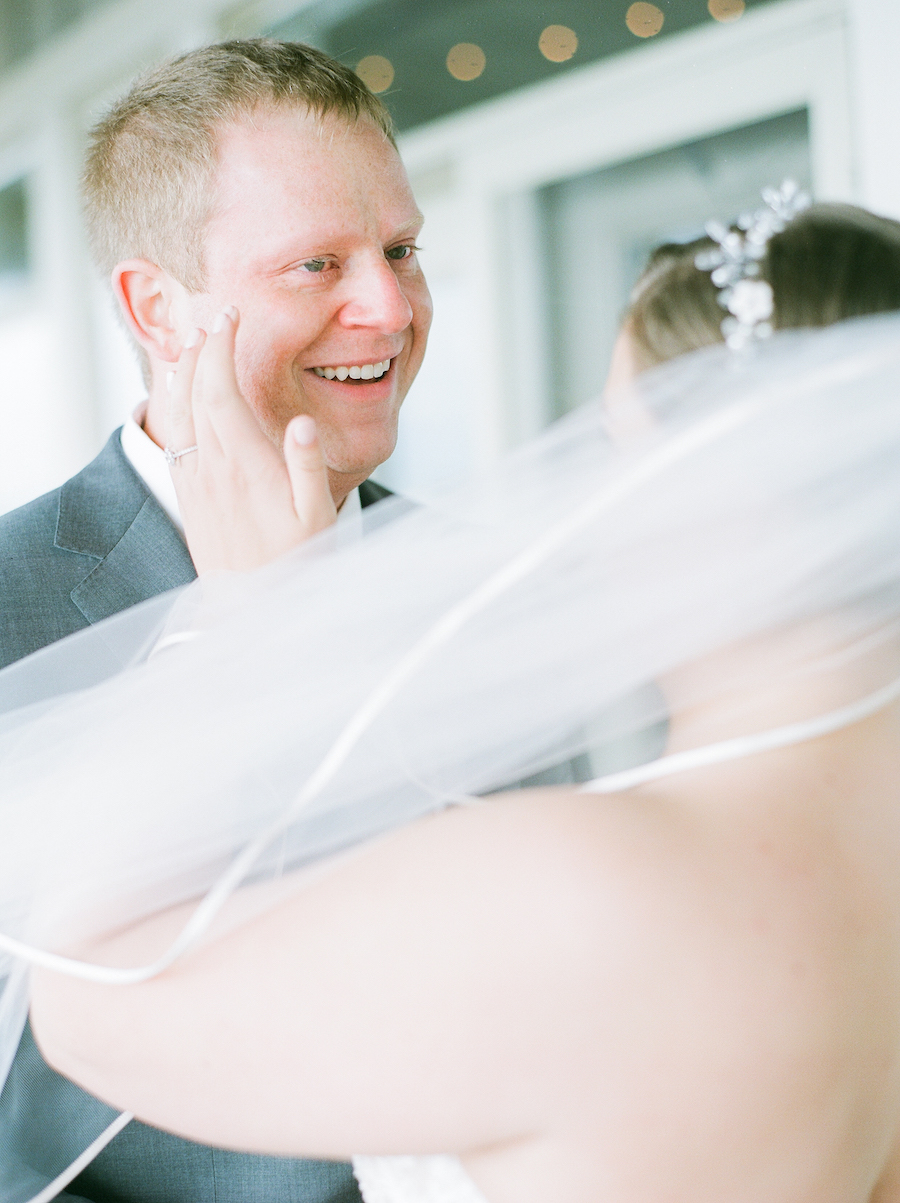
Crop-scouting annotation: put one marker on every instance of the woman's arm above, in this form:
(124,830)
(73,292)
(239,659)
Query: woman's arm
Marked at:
(417,976)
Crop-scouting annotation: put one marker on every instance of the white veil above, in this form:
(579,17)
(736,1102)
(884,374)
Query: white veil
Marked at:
(459,647)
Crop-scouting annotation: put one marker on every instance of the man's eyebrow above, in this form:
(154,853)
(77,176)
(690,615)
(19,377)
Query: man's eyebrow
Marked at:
(414,223)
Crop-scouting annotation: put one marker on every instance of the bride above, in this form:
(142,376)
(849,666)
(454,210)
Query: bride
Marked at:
(679,982)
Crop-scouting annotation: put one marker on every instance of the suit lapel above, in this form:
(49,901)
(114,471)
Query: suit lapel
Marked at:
(370,492)
(150,558)
(107,513)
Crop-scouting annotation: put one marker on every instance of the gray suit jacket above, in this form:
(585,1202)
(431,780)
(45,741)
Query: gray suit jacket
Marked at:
(91,548)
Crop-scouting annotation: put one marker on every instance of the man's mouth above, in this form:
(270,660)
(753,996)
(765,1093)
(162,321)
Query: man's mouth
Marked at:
(362,371)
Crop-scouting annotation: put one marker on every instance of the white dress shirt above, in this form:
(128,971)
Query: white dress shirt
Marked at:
(149,461)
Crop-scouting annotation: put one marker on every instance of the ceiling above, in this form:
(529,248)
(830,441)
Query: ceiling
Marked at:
(416,36)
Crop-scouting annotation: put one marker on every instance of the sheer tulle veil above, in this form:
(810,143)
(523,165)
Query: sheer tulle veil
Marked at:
(243,727)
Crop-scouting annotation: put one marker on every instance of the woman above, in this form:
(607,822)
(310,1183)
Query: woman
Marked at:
(689,989)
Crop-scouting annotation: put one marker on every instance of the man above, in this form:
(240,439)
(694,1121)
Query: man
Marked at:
(250,208)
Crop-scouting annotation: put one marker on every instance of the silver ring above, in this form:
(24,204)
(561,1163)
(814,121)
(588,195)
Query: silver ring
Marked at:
(173,456)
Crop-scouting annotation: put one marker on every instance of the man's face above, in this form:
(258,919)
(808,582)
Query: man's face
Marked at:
(312,237)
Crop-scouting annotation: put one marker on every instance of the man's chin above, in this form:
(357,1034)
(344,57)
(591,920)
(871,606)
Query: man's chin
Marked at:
(358,462)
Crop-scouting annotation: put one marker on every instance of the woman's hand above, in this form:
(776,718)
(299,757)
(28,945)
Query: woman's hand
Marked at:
(242,503)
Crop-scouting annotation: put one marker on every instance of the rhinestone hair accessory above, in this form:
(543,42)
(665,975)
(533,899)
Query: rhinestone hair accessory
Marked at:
(734,263)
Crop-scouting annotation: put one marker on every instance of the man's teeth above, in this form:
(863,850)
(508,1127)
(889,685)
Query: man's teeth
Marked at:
(366,371)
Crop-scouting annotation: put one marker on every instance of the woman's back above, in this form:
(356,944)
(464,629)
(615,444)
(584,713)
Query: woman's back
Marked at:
(740,1042)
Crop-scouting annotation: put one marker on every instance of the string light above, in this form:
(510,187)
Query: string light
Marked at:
(558,43)
(466,61)
(376,72)
(726,10)
(644,20)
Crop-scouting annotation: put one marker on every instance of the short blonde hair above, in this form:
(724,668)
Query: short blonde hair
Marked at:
(151,159)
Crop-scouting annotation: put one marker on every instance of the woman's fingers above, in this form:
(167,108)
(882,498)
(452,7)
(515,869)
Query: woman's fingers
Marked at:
(308,475)
(243,503)
(179,421)
(219,396)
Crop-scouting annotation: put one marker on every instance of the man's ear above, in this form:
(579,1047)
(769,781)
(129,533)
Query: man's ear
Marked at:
(146,294)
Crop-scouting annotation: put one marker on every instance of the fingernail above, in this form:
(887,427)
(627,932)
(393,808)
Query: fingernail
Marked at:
(303,430)
(220,320)
(170,376)
(192,339)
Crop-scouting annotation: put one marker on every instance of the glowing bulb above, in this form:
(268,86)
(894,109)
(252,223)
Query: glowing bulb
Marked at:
(644,20)
(377,73)
(466,61)
(726,10)
(558,43)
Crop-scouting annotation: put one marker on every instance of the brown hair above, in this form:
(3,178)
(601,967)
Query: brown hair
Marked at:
(151,158)
(832,262)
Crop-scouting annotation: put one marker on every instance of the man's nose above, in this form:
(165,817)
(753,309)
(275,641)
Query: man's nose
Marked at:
(376,299)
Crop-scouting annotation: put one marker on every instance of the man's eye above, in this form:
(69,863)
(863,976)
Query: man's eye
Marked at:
(314,265)
(401,252)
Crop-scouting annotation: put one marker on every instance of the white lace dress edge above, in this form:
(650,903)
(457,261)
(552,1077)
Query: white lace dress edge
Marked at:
(438,1179)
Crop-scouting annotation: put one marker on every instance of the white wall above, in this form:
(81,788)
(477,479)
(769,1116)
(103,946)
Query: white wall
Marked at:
(874,59)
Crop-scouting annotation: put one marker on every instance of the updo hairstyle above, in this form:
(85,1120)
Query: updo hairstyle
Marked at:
(831,263)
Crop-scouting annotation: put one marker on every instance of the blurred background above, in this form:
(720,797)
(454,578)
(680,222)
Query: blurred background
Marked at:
(550,143)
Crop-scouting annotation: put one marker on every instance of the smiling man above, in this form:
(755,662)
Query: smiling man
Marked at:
(256,175)
(247,196)
(311,235)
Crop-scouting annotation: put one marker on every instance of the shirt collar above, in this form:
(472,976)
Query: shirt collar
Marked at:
(149,461)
